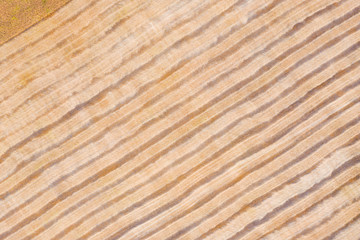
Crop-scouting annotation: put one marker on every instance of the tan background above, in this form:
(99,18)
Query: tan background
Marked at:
(18,15)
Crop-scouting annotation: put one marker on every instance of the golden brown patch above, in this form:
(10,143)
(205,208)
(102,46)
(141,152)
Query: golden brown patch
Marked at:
(18,15)
(25,78)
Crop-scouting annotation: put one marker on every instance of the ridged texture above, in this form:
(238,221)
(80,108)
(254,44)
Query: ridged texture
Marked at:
(183,119)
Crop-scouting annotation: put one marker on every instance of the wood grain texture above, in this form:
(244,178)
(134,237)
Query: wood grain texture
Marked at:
(185,119)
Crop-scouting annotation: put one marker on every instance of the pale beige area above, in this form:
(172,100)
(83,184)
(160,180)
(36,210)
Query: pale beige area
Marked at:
(187,119)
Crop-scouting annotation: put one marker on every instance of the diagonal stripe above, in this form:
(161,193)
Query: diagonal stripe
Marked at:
(258,166)
(260,72)
(256,129)
(186,119)
(146,105)
(99,96)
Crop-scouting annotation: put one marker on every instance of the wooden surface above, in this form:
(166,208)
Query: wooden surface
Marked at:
(183,119)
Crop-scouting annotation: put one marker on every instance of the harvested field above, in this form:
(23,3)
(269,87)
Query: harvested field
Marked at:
(180,119)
